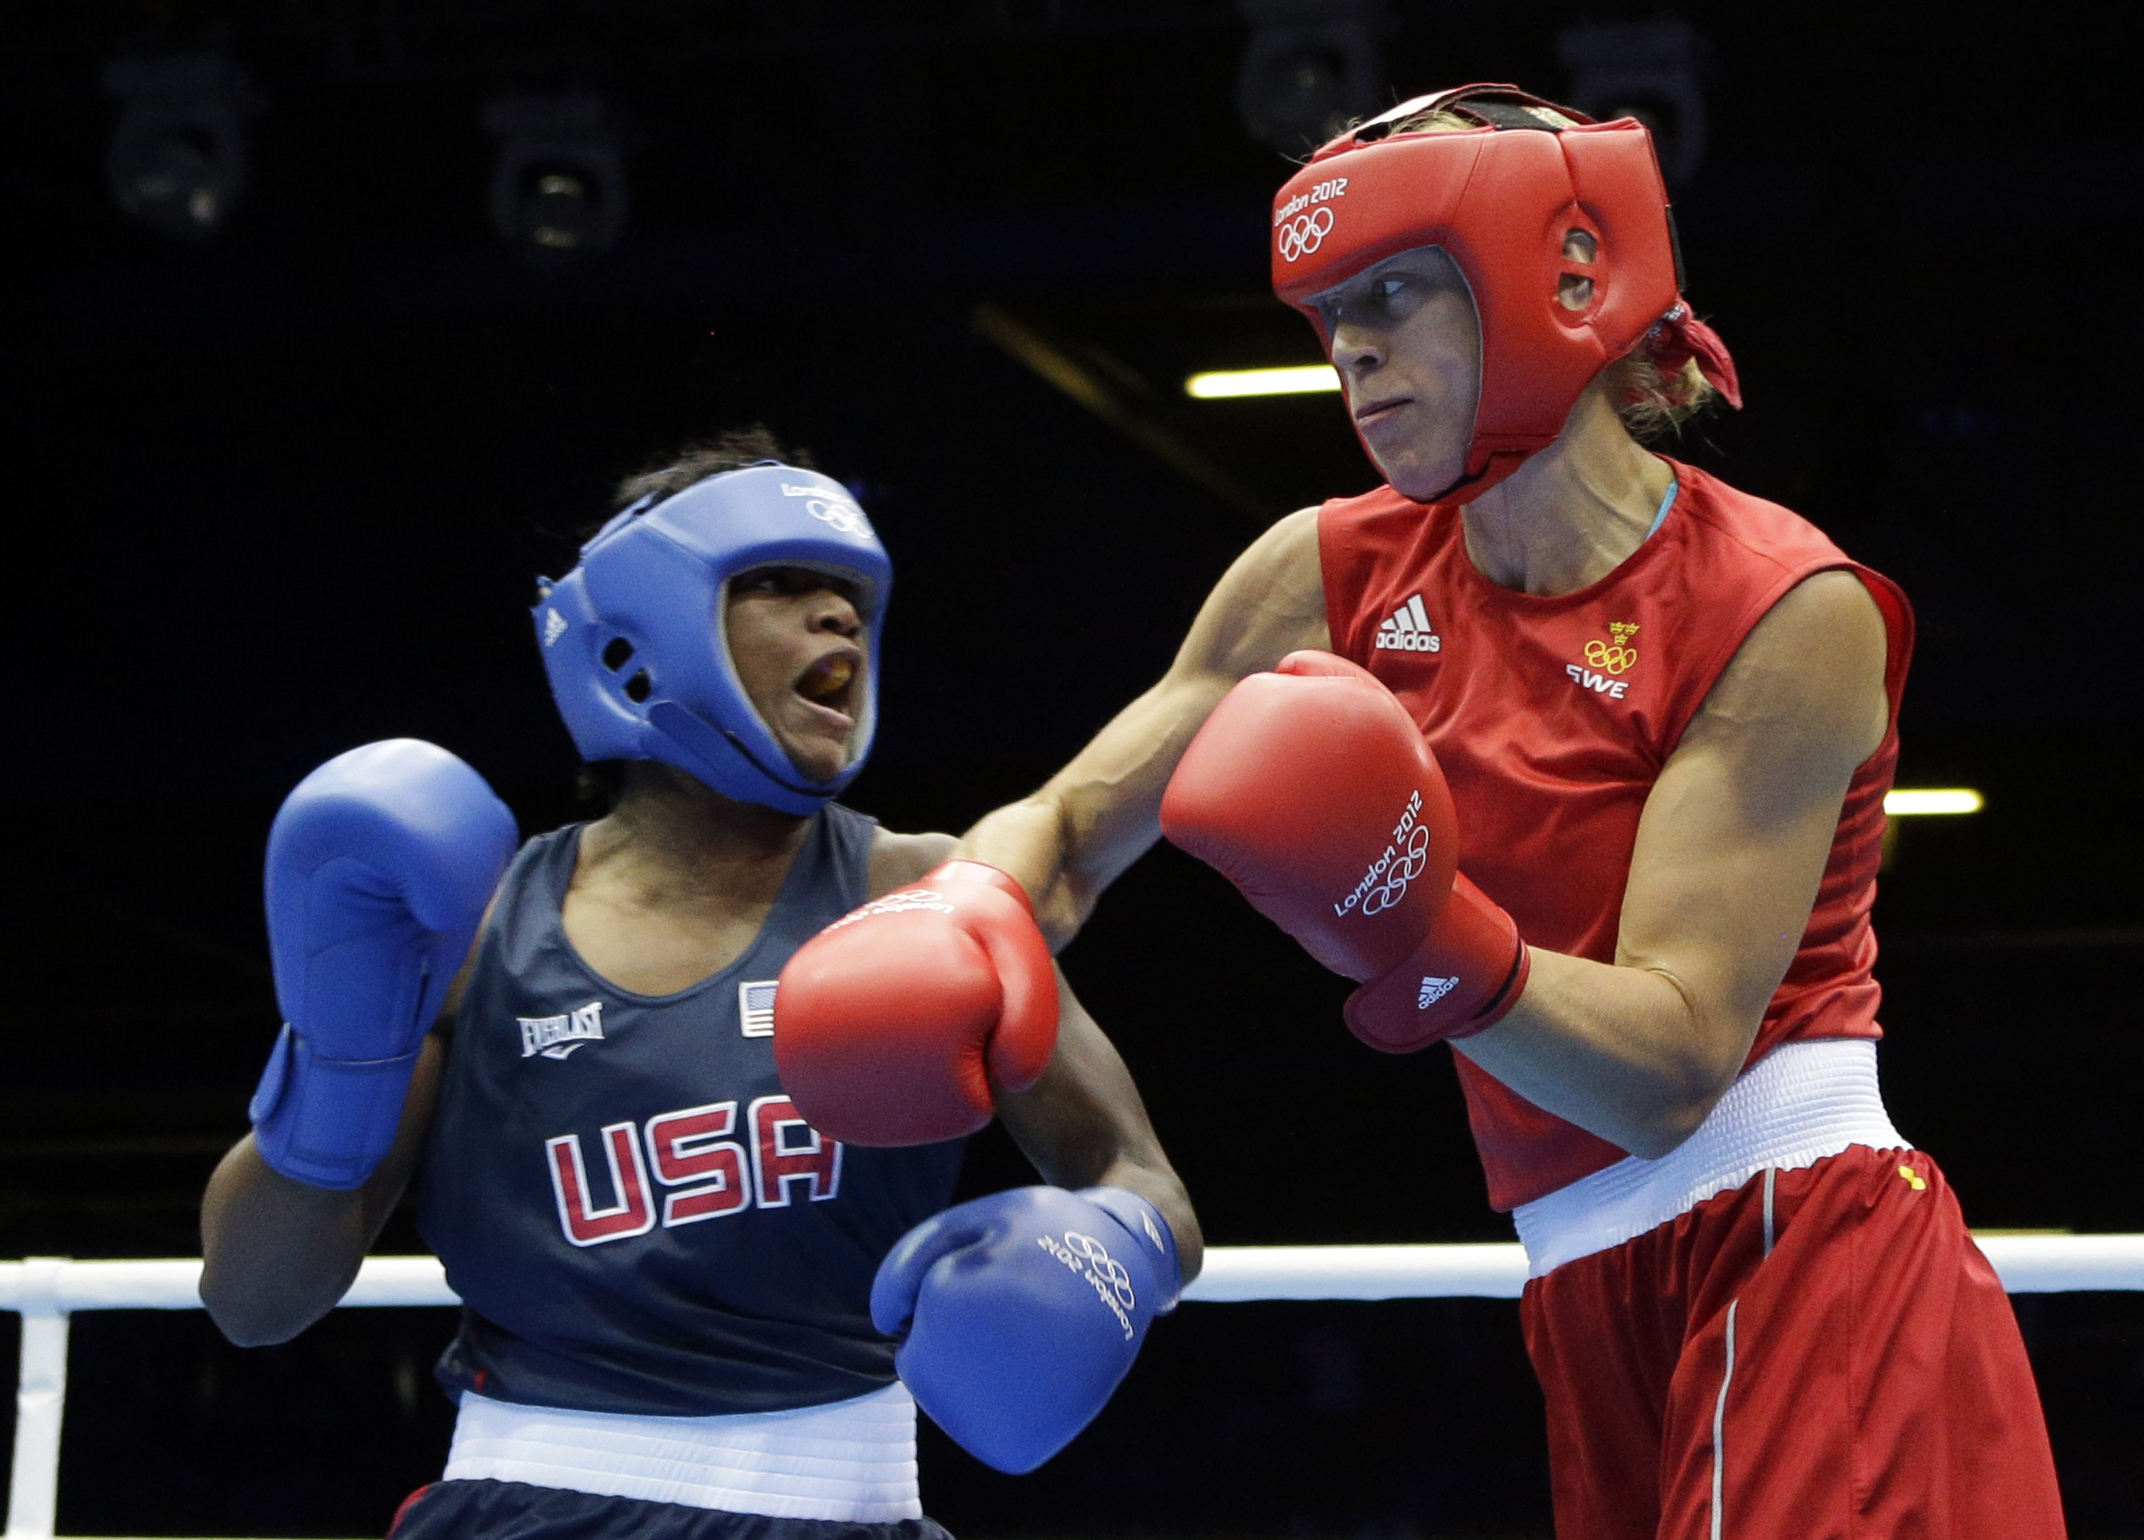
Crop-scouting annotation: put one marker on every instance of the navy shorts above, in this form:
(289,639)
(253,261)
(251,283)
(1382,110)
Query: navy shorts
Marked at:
(514,1510)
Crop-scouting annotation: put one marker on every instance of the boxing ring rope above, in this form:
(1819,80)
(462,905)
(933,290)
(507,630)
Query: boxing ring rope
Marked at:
(46,1291)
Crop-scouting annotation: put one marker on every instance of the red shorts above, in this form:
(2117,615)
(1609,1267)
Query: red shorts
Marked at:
(1860,1377)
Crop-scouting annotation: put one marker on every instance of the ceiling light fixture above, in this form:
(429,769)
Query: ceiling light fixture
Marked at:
(1954,799)
(177,160)
(1295,380)
(558,186)
(1646,70)
(1309,68)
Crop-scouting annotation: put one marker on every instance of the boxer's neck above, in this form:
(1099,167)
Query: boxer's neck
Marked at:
(1574,512)
(673,885)
(673,839)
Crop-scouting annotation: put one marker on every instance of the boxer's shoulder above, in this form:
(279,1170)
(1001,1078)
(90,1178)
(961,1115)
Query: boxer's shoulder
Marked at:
(899,859)
(1814,661)
(1285,557)
(1749,530)
(1269,603)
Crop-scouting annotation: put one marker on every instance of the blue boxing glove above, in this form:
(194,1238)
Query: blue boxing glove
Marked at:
(380,864)
(1023,1310)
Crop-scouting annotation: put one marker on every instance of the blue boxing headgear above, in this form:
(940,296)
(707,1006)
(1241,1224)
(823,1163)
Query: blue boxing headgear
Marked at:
(636,646)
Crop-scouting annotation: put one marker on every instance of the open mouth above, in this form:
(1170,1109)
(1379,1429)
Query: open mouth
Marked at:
(832,682)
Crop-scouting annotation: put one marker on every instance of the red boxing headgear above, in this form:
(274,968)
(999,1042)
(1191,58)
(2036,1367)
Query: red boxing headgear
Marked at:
(1502,200)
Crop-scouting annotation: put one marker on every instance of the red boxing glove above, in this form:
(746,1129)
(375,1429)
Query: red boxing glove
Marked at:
(890,1024)
(1311,790)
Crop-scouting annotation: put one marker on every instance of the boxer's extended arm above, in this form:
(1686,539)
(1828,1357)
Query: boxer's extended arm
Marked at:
(278,1254)
(1096,816)
(1731,847)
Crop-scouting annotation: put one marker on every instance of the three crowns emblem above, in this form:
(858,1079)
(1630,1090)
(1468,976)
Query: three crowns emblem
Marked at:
(1615,655)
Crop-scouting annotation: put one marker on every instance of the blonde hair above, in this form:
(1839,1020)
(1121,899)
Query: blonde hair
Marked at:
(1654,401)
(1435,120)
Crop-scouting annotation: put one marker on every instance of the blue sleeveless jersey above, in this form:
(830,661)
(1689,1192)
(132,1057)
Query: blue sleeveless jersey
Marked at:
(634,1215)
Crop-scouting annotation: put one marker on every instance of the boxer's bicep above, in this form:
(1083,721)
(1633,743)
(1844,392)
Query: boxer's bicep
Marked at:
(1740,824)
(1096,816)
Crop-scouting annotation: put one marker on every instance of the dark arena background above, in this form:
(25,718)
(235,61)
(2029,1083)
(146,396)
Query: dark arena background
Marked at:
(334,321)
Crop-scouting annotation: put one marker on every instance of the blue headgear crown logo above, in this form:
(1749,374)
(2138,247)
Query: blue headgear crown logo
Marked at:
(636,649)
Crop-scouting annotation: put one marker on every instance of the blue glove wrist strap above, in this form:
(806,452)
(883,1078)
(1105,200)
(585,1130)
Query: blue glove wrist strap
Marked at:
(1144,1222)
(327,1122)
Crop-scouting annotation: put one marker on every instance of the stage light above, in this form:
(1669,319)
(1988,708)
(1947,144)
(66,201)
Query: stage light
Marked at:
(1310,68)
(1908,804)
(1646,70)
(558,186)
(177,160)
(1296,380)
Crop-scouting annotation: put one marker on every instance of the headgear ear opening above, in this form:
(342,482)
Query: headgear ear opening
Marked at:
(635,645)
(1500,199)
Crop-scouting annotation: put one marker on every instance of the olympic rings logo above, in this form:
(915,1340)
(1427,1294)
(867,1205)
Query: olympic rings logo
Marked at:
(1304,234)
(1101,1266)
(846,519)
(1399,874)
(1610,657)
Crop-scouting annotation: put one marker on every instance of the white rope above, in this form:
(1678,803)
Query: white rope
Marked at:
(2027,1264)
(46,1290)
(1240,1273)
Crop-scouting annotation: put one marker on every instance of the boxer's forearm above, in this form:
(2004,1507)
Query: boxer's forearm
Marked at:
(1028,841)
(277,1254)
(1075,836)
(1083,1124)
(1099,814)
(1630,1054)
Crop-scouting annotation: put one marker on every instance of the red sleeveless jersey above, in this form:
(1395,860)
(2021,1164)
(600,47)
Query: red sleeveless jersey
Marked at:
(1552,718)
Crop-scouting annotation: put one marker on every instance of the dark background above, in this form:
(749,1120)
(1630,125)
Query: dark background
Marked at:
(283,490)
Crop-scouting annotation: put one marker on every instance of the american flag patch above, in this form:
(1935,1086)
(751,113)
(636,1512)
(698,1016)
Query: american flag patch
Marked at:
(755,1008)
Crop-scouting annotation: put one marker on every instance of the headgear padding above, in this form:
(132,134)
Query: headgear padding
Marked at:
(635,641)
(1502,199)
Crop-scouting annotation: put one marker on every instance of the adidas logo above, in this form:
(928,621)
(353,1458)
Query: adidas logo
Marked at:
(1433,990)
(1408,630)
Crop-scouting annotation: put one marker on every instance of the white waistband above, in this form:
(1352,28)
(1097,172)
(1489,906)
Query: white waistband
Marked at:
(1796,1105)
(852,1460)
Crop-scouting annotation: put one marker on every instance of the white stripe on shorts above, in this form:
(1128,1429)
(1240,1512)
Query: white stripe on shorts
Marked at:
(1719,1429)
(851,1460)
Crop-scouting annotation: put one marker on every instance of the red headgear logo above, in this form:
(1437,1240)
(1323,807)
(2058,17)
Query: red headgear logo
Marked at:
(1301,236)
